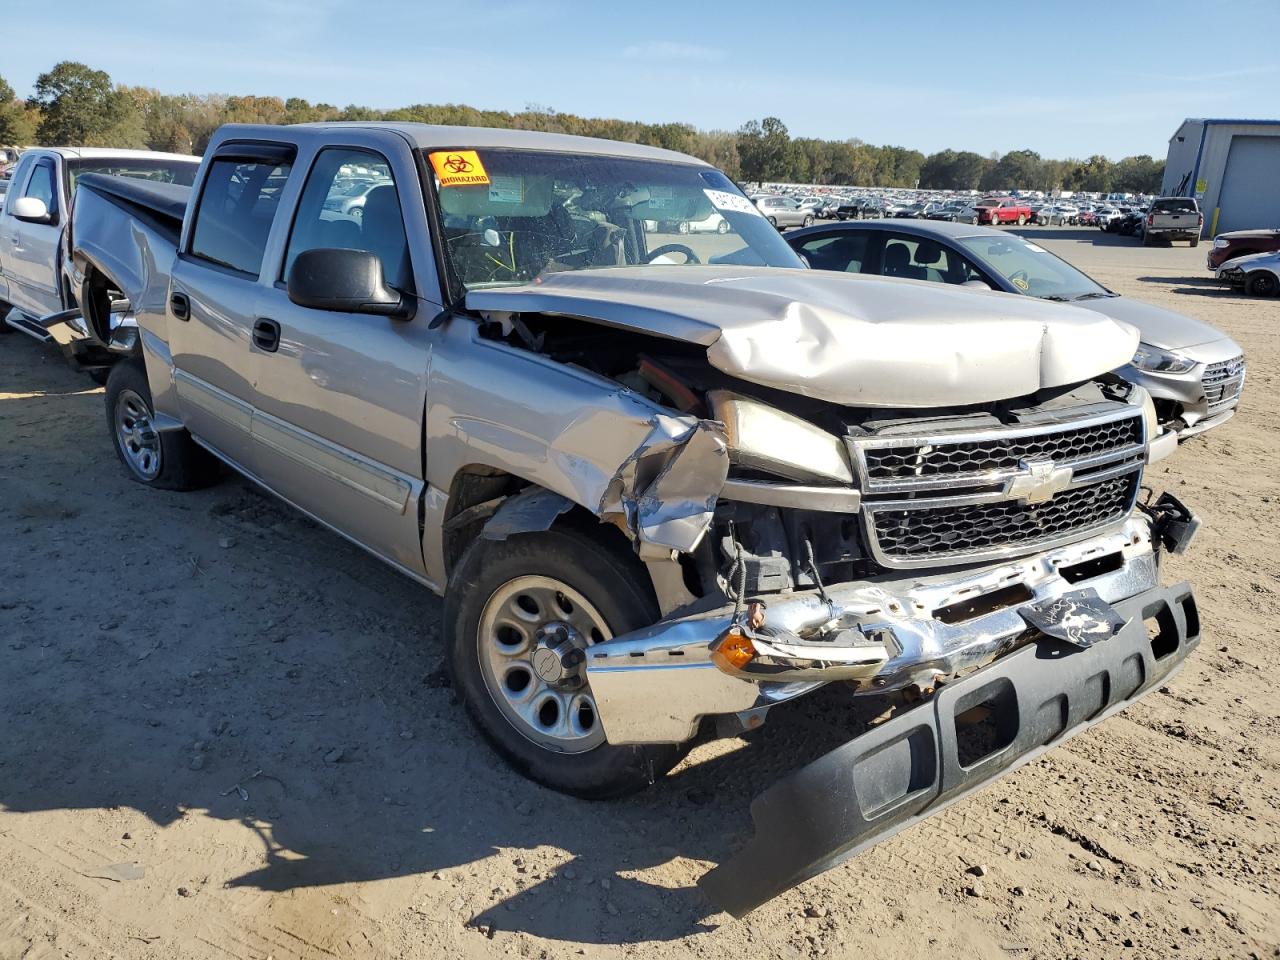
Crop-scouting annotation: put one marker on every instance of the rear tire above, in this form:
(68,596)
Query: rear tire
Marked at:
(1195,242)
(501,598)
(169,459)
(4,312)
(808,221)
(773,223)
(1022,220)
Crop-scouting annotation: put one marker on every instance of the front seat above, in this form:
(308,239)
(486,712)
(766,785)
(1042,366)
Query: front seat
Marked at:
(382,230)
(897,262)
(929,255)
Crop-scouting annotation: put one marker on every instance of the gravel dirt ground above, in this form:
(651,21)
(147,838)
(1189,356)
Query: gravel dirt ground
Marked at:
(224,732)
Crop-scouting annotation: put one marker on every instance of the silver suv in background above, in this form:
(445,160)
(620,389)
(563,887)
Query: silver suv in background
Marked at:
(785,212)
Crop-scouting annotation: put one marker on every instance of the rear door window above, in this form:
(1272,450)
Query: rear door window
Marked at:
(845,251)
(237,207)
(350,202)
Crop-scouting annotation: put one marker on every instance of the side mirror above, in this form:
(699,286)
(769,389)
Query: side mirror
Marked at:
(31,209)
(976,285)
(346,281)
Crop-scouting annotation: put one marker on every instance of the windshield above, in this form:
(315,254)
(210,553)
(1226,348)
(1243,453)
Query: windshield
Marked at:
(514,215)
(1031,268)
(139,168)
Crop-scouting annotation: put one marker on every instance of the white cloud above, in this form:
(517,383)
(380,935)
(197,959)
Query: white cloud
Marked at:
(672,50)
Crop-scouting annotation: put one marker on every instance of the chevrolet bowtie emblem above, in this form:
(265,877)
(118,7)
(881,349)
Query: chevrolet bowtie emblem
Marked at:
(1039,481)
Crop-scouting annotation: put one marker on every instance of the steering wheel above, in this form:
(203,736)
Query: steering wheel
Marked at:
(689,255)
(1020,280)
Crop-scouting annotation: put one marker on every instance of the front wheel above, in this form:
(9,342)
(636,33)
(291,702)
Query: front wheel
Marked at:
(773,222)
(168,459)
(520,614)
(808,221)
(1022,220)
(1261,284)
(1195,241)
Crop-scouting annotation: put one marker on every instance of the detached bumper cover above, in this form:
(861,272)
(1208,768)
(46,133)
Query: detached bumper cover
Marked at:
(910,767)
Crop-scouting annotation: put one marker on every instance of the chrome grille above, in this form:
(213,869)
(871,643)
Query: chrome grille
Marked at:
(996,452)
(1223,382)
(955,532)
(969,495)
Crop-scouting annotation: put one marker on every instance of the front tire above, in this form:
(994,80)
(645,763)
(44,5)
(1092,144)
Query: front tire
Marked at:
(1022,220)
(1260,284)
(513,610)
(808,221)
(168,459)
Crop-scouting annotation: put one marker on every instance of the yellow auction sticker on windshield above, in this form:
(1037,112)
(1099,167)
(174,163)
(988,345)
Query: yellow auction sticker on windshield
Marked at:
(1021,284)
(459,168)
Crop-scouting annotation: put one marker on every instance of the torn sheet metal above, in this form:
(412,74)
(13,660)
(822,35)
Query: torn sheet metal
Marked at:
(666,491)
(529,511)
(848,339)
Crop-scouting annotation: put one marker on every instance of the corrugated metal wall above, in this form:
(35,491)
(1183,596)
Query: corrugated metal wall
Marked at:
(1180,166)
(1254,201)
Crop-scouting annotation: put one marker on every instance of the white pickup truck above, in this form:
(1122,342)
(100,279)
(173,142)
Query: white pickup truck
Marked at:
(36,210)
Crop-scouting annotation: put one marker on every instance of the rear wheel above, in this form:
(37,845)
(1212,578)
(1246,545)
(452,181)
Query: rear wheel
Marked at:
(1195,241)
(773,223)
(1260,284)
(1022,220)
(520,614)
(167,459)
(808,221)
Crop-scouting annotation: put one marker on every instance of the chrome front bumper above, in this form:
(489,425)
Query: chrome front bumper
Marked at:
(655,685)
(969,734)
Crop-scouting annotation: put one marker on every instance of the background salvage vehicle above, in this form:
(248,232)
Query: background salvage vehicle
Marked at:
(34,216)
(1194,372)
(1241,243)
(1173,218)
(1257,274)
(784,212)
(663,486)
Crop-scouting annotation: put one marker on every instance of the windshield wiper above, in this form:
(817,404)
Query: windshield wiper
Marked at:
(1055,297)
(1094,296)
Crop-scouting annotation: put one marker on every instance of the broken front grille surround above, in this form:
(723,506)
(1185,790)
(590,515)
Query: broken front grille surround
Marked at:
(967,496)
(1223,382)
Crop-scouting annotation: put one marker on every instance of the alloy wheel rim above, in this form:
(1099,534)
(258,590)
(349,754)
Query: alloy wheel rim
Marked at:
(136,435)
(532,634)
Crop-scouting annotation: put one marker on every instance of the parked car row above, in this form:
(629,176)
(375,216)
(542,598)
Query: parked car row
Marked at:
(663,486)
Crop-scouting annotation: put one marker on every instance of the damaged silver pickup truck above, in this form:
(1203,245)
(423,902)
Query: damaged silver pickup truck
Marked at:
(664,484)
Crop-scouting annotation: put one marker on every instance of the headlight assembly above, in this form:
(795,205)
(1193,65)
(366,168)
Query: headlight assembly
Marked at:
(766,439)
(1220,243)
(1154,360)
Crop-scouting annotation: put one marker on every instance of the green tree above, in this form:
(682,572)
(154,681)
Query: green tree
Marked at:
(78,105)
(1016,170)
(764,150)
(16,127)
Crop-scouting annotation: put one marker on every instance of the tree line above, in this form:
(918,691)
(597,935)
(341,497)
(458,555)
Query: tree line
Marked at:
(75,105)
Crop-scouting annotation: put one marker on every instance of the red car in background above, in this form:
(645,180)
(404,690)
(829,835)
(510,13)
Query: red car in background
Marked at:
(1241,243)
(997,210)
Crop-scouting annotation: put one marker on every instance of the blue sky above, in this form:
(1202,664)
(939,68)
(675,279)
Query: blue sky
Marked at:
(1062,78)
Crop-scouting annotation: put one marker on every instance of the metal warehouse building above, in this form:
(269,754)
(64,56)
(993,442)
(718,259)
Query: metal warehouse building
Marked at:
(1232,167)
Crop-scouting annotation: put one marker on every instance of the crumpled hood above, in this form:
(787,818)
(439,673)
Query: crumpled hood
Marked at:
(844,338)
(1156,325)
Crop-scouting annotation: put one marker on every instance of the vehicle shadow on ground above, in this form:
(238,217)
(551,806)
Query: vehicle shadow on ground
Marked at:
(161,649)
(1194,286)
(1089,235)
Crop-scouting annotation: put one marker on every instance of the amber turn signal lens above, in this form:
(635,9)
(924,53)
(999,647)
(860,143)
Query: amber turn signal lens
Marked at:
(732,650)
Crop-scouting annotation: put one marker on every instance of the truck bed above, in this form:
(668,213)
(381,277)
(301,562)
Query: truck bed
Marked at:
(163,205)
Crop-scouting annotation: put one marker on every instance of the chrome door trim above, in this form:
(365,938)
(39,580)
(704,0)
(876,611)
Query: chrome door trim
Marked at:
(212,400)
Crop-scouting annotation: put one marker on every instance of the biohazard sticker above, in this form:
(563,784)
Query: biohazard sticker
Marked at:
(459,168)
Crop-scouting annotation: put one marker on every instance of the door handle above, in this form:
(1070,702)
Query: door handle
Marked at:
(180,304)
(266,334)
